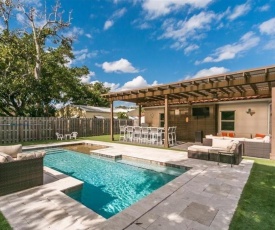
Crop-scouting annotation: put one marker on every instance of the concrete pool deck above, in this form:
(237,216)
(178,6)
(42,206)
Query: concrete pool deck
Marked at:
(205,197)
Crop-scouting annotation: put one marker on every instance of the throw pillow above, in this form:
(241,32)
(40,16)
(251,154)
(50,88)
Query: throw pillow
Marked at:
(4,158)
(259,135)
(224,134)
(25,156)
(11,150)
(233,146)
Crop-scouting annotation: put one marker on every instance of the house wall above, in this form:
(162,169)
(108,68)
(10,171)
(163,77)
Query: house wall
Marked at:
(187,124)
(181,116)
(245,123)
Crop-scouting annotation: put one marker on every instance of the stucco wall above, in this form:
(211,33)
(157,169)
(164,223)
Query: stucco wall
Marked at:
(244,122)
(152,116)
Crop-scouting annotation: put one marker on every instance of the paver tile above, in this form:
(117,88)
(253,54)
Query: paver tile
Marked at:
(222,189)
(201,213)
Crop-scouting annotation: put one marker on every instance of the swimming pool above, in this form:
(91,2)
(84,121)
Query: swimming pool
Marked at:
(109,186)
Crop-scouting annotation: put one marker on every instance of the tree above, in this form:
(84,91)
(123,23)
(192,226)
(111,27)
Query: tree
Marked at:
(122,115)
(34,70)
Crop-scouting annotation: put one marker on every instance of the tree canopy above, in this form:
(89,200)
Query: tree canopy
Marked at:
(35,74)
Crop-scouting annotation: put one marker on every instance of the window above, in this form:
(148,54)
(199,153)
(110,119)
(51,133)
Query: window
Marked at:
(161,119)
(228,120)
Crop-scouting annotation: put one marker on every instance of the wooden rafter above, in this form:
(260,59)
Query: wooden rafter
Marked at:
(237,85)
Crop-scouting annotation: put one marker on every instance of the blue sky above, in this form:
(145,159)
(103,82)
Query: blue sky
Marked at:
(131,44)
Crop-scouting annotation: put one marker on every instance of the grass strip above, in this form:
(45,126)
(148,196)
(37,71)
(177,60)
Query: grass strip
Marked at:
(256,207)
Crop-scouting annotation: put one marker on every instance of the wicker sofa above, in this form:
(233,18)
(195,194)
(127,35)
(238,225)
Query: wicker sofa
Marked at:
(210,151)
(19,171)
(252,147)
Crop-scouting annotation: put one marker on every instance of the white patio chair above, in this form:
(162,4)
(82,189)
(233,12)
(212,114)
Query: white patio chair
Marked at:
(122,132)
(155,136)
(144,135)
(130,133)
(74,135)
(59,136)
(137,134)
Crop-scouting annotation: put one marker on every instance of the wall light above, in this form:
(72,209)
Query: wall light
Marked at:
(187,119)
(249,111)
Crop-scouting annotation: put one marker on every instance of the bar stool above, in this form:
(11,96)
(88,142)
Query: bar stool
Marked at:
(137,134)
(130,131)
(122,133)
(144,138)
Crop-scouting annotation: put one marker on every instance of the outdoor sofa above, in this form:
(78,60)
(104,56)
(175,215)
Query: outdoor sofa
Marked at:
(219,150)
(253,147)
(19,171)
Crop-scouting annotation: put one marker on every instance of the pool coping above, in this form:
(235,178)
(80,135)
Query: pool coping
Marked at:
(130,215)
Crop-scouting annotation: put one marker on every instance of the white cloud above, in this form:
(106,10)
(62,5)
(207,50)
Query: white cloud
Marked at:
(230,51)
(84,54)
(193,28)
(119,13)
(263,8)
(190,48)
(159,8)
(270,45)
(88,35)
(136,83)
(108,24)
(120,66)
(73,33)
(268,27)
(239,11)
(116,15)
(209,72)
(87,78)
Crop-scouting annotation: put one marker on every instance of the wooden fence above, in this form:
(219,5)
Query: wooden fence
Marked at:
(21,129)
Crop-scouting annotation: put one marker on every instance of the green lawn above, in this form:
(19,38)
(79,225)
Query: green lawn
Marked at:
(105,138)
(4,225)
(256,208)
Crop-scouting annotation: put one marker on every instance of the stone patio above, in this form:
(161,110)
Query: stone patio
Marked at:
(205,197)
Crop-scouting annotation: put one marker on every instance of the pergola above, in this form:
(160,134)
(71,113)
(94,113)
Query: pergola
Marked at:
(242,85)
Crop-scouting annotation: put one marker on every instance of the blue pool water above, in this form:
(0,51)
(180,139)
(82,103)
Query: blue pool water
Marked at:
(109,186)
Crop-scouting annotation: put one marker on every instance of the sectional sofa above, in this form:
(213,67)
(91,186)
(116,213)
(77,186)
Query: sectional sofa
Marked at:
(253,147)
(19,171)
(218,149)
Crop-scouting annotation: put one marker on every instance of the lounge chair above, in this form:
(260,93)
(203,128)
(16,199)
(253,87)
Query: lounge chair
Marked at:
(59,136)
(74,135)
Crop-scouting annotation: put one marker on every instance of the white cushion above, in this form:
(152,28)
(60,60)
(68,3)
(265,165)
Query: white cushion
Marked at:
(32,155)
(11,150)
(4,158)
(221,144)
(200,148)
(267,139)
(233,146)
(255,140)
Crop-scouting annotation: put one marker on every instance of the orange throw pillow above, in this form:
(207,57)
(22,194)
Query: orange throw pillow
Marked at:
(231,134)
(224,134)
(259,135)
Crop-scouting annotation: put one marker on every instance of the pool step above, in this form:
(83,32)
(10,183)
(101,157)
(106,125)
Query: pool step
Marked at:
(162,169)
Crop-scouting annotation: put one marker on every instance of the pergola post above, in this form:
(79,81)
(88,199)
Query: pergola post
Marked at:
(166,122)
(112,121)
(272,154)
(139,115)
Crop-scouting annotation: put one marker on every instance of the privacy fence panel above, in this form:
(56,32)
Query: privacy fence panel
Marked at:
(22,129)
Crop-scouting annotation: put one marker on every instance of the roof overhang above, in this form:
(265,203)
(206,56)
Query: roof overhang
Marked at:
(241,85)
